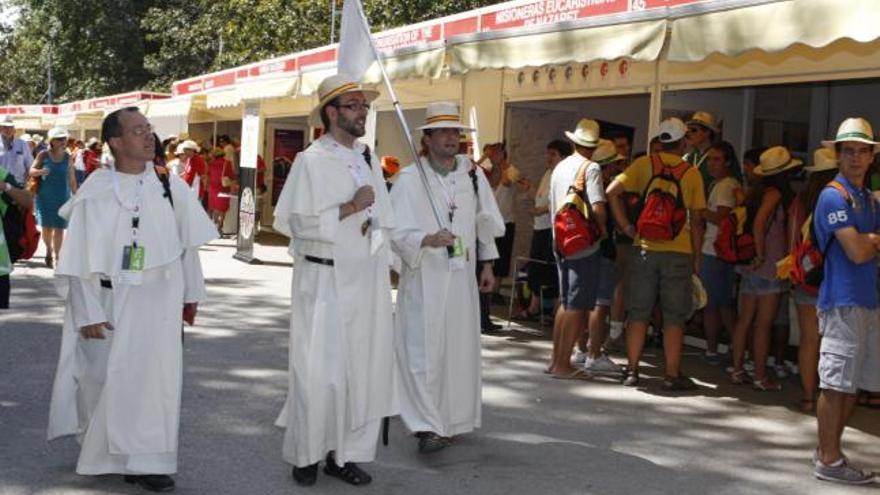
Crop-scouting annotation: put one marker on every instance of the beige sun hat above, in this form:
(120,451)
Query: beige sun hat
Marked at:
(776,160)
(854,129)
(606,153)
(443,115)
(57,133)
(334,86)
(585,134)
(26,137)
(823,159)
(704,119)
(187,145)
(6,121)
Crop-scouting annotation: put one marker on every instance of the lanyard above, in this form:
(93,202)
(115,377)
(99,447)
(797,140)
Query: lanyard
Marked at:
(135,206)
(448,190)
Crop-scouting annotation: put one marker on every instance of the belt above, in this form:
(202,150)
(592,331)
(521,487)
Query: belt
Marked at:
(320,261)
(106,284)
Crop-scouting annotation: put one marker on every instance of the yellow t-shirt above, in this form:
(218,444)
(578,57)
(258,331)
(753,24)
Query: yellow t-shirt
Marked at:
(635,178)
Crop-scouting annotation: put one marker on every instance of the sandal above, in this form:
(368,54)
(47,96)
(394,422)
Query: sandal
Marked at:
(766,385)
(431,442)
(678,383)
(306,476)
(349,472)
(740,378)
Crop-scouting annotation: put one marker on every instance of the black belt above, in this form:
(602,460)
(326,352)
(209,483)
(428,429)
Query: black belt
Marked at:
(106,284)
(320,261)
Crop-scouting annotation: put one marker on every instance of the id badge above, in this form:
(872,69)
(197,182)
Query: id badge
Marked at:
(132,265)
(456,255)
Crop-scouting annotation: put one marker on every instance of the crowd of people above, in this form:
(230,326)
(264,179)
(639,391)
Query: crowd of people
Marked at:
(677,236)
(685,239)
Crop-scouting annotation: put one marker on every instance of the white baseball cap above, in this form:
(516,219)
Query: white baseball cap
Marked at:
(671,130)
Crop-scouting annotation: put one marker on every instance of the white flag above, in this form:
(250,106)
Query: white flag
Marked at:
(356,53)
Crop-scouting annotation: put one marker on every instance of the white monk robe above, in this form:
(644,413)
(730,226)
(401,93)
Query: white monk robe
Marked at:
(341,329)
(437,321)
(121,395)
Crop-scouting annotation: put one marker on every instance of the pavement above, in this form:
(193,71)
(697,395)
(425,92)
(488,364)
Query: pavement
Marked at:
(539,434)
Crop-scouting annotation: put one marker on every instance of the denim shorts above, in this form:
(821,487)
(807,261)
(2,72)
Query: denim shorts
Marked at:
(717,278)
(849,355)
(607,281)
(756,285)
(578,281)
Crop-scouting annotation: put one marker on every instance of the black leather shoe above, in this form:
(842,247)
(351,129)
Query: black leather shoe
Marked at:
(152,482)
(306,476)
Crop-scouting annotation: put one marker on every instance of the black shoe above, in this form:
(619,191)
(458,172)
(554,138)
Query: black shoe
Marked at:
(489,327)
(152,482)
(305,476)
(349,472)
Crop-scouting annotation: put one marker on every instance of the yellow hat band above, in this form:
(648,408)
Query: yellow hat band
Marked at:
(345,88)
(442,118)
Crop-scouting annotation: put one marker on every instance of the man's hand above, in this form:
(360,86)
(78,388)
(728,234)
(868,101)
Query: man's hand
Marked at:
(441,238)
(487,278)
(189,312)
(95,331)
(363,198)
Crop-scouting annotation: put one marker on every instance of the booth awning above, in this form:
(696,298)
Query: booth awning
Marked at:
(309,81)
(172,107)
(773,27)
(82,120)
(639,41)
(426,64)
(272,88)
(223,99)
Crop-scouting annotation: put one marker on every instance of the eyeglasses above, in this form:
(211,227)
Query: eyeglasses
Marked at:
(857,152)
(140,130)
(354,107)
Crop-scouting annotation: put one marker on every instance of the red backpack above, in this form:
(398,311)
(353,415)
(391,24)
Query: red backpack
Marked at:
(735,243)
(807,260)
(663,214)
(19,228)
(574,226)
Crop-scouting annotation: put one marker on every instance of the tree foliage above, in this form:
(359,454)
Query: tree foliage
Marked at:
(98,47)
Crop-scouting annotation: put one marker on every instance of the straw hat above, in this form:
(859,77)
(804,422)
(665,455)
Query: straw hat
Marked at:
(58,133)
(6,121)
(606,153)
(585,134)
(854,129)
(25,137)
(672,130)
(704,119)
(776,160)
(823,159)
(36,138)
(443,115)
(334,86)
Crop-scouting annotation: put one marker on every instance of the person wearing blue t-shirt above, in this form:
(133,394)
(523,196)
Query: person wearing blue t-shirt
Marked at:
(849,318)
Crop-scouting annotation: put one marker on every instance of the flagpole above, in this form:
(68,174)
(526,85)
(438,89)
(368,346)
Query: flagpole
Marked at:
(401,118)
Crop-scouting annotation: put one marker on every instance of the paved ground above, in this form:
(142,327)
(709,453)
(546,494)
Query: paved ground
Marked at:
(539,435)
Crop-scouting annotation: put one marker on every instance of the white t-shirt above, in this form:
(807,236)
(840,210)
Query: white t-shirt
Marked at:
(542,198)
(723,193)
(563,177)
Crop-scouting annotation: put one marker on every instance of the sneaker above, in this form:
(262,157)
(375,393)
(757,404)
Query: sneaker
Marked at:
(781,371)
(579,356)
(842,473)
(601,365)
(712,358)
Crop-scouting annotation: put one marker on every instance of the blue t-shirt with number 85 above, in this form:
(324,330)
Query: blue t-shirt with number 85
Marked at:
(846,283)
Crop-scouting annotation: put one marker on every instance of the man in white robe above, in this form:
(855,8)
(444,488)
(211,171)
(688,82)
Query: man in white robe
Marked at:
(335,208)
(131,271)
(437,322)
